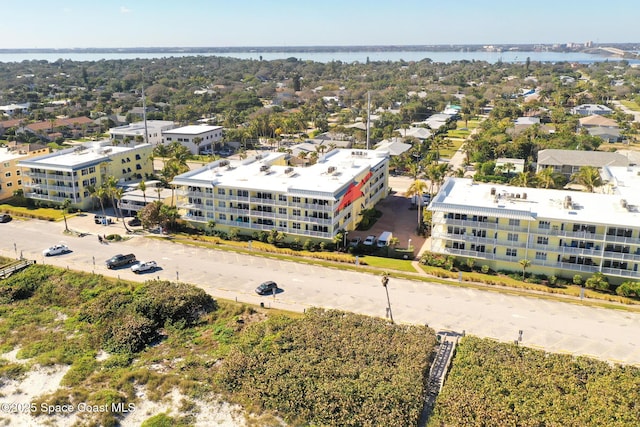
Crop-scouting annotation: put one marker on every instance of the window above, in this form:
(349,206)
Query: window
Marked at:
(543,240)
(541,256)
(282,224)
(295,199)
(512,252)
(137,156)
(18,172)
(544,225)
(296,226)
(92,169)
(222,217)
(138,167)
(296,212)
(7,174)
(19,182)
(282,211)
(282,198)
(221,191)
(514,222)
(222,204)
(9,184)
(512,237)
(243,193)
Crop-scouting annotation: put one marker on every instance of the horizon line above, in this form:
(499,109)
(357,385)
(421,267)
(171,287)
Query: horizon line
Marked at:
(290,47)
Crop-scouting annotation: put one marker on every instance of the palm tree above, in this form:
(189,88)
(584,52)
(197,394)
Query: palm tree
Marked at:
(117,195)
(417,189)
(525,263)
(548,178)
(588,177)
(143,187)
(523,179)
(65,210)
(99,193)
(197,141)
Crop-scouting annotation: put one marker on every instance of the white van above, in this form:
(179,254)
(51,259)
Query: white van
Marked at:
(385,239)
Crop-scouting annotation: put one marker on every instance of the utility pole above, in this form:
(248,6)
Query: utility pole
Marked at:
(385,281)
(368,116)
(144,112)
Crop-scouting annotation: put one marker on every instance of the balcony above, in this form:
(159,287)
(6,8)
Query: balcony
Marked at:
(622,239)
(622,256)
(578,267)
(620,272)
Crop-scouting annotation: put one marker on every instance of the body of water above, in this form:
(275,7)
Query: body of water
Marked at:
(343,56)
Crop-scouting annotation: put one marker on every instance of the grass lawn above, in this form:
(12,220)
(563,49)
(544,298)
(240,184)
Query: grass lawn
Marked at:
(42,213)
(631,105)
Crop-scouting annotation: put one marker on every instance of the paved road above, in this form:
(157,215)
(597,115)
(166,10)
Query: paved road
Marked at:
(554,326)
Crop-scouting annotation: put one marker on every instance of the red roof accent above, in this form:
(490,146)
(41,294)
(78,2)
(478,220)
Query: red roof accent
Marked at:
(353,193)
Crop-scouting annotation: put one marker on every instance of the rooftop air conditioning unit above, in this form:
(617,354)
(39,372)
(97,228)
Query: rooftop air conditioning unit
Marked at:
(331,169)
(264,168)
(288,171)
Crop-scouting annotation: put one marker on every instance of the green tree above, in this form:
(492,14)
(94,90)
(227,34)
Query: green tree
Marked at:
(597,281)
(66,205)
(588,177)
(525,263)
(417,189)
(548,178)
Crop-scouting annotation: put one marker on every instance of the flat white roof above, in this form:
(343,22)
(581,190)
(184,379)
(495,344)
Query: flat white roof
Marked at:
(462,194)
(328,176)
(6,155)
(80,156)
(138,127)
(191,130)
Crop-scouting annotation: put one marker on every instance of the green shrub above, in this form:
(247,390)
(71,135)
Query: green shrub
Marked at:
(174,303)
(130,334)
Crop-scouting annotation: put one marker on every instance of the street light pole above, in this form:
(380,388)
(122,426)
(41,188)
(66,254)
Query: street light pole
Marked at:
(385,281)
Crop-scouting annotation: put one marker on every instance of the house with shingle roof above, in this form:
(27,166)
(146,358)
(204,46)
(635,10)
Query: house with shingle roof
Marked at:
(568,162)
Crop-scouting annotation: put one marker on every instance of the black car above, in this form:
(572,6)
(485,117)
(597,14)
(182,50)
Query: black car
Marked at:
(135,222)
(267,288)
(5,218)
(120,260)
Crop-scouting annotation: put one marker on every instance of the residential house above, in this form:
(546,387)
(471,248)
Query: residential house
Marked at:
(591,109)
(568,162)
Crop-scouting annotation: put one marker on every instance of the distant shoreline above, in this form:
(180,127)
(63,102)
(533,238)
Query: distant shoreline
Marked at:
(379,48)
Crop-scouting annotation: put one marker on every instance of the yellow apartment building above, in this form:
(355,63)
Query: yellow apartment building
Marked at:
(70,173)
(560,232)
(263,193)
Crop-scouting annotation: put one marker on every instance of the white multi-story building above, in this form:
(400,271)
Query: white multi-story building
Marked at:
(134,133)
(263,193)
(71,173)
(197,138)
(560,232)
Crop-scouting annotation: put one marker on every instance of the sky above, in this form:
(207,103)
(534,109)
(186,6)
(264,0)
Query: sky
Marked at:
(234,23)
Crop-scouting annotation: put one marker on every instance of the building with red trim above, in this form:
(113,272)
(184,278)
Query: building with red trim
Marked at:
(264,193)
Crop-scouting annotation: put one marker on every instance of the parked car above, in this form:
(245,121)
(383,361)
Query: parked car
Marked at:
(369,241)
(120,260)
(135,222)
(355,242)
(267,288)
(100,219)
(385,239)
(56,250)
(141,267)
(5,218)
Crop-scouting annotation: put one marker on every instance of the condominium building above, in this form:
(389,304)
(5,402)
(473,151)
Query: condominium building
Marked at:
(10,172)
(197,138)
(561,233)
(71,173)
(134,133)
(263,193)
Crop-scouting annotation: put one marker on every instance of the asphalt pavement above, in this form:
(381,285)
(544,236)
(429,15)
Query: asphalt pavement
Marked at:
(556,326)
